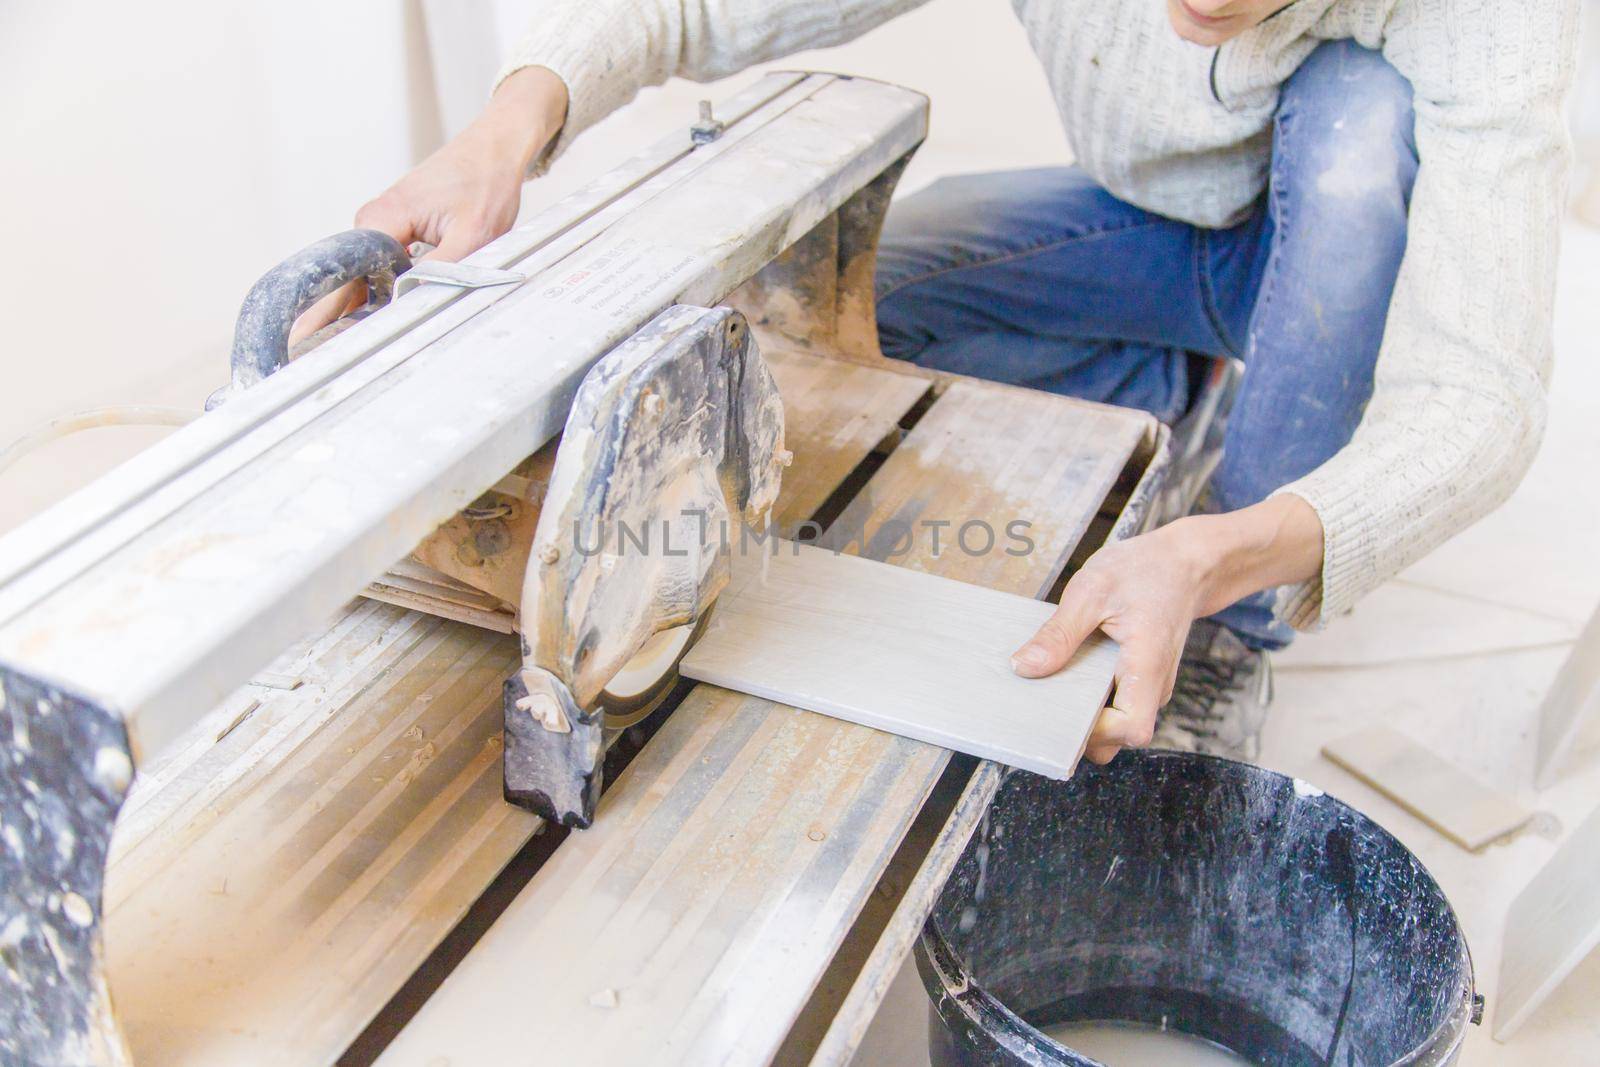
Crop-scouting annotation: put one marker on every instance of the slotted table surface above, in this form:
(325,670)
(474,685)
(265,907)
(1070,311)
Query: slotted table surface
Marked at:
(272,887)
(727,864)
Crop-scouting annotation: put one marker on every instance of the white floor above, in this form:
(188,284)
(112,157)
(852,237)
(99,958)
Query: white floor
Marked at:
(1456,653)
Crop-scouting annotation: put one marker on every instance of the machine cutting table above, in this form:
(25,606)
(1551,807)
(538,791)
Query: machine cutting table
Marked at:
(328,848)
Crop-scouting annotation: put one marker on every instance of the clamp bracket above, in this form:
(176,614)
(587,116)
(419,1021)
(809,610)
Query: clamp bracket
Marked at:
(459,275)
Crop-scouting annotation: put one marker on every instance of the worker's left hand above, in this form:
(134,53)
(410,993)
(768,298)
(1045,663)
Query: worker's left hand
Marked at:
(1145,592)
(451,200)
(467,193)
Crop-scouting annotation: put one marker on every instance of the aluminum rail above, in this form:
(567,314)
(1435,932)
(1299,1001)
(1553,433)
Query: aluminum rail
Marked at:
(266,518)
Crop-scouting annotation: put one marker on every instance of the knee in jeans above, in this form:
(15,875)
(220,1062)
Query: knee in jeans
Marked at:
(1350,143)
(898,337)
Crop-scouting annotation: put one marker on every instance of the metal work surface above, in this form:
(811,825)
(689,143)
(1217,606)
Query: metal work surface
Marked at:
(271,889)
(693,920)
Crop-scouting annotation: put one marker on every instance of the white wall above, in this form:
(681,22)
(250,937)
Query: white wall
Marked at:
(155,159)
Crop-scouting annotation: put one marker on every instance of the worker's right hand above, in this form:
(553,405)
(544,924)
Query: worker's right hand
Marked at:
(467,193)
(1144,592)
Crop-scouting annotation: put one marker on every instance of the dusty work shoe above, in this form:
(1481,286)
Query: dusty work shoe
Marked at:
(1220,700)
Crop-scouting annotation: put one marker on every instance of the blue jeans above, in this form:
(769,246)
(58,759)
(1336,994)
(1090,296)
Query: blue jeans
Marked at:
(1042,278)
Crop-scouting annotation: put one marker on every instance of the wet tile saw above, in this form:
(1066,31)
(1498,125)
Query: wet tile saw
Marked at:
(413,432)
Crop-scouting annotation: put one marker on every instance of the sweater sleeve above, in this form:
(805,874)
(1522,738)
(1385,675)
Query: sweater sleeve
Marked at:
(1458,404)
(607,50)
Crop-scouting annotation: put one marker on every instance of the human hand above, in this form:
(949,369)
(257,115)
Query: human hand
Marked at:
(1144,592)
(467,193)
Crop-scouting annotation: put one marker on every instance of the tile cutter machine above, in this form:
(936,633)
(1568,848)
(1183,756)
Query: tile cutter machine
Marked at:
(414,433)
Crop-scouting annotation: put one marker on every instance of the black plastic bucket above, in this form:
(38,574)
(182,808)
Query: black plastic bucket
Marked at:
(1199,895)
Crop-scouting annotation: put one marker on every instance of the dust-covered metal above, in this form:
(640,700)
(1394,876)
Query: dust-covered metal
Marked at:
(673,445)
(157,591)
(63,774)
(261,334)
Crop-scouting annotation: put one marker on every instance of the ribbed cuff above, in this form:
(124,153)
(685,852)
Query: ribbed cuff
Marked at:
(587,69)
(1348,562)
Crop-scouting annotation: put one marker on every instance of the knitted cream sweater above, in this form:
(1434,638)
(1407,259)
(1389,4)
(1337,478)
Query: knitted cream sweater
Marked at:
(1458,407)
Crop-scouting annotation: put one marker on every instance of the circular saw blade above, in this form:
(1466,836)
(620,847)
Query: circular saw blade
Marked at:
(646,680)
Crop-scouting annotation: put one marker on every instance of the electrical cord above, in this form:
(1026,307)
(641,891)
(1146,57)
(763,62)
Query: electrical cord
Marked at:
(92,419)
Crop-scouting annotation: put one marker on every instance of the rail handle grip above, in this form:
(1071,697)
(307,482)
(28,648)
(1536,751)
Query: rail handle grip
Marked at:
(261,334)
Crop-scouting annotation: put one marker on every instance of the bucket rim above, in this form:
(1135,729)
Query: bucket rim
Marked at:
(941,965)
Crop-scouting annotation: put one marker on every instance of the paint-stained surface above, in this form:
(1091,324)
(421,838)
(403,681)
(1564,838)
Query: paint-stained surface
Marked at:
(64,768)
